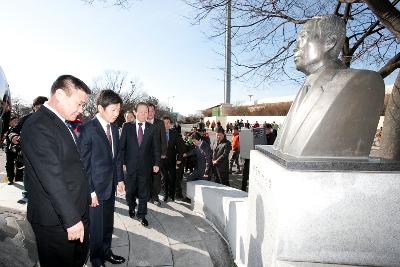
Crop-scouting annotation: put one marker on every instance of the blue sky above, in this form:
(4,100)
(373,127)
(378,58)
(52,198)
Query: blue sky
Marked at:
(153,41)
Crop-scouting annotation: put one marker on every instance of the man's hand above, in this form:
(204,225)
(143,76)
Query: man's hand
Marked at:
(156,169)
(178,162)
(76,232)
(163,156)
(95,202)
(214,162)
(121,187)
(205,175)
(184,155)
(15,139)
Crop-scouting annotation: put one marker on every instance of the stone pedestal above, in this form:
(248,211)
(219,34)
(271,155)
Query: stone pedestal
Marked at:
(308,217)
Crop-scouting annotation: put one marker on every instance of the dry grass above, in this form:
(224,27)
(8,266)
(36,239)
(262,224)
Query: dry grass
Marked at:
(271,109)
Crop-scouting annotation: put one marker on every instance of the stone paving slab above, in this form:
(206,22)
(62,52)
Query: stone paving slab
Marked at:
(191,254)
(176,227)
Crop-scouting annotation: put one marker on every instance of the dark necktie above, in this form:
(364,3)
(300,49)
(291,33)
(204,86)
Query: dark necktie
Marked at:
(69,125)
(109,134)
(140,133)
(167,136)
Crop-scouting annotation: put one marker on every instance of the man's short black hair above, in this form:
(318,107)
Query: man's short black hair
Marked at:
(141,104)
(66,82)
(268,126)
(167,118)
(39,100)
(151,105)
(220,130)
(196,136)
(108,97)
(236,128)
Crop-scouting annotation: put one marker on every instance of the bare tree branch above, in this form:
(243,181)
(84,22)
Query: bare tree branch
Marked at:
(390,66)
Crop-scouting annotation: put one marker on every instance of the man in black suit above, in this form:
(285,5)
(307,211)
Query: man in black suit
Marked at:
(140,153)
(56,182)
(173,160)
(99,147)
(203,154)
(155,182)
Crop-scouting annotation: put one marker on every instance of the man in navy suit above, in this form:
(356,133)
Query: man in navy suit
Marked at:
(99,147)
(56,182)
(140,153)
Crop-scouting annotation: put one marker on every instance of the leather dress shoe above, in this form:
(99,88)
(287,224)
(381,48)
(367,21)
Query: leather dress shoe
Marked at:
(131,213)
(165,199)
(144,222)
(115,259)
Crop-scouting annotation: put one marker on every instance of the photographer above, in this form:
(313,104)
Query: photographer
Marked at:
(13,162)
(14,134)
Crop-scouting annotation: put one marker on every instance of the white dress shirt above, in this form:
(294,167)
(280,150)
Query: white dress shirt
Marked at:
(137,127)
(61,118)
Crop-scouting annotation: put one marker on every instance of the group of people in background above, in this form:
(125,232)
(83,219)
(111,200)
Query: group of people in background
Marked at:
(238,123)
(215,161)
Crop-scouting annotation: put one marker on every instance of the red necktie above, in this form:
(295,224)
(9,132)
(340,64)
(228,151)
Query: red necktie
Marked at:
(140,133)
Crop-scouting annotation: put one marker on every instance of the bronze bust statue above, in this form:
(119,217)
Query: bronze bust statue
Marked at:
(336,112)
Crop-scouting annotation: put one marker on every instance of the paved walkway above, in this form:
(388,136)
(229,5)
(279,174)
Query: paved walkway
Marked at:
(175,236)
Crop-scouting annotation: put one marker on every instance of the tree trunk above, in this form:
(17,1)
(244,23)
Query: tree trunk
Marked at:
(389,16)
(390,144)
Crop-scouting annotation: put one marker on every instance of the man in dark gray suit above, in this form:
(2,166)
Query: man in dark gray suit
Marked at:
(220,160)
(203,154)
(140,153)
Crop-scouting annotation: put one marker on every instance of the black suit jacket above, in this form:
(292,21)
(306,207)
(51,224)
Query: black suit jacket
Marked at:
(204,161)
(175,148)
(221,152)
(160,129)
(96,153)
(56,182)
(139,160)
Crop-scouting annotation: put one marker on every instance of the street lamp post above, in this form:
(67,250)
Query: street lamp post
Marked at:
(228,37)
(171,109)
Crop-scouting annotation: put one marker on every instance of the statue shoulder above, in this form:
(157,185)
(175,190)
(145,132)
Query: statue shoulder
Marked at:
(357,80)
(363,75)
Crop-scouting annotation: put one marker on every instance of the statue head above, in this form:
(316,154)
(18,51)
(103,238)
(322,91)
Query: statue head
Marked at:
(319,42)
(5,97)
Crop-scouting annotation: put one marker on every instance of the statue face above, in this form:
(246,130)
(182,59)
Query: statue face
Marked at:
(5,97)
(308,51)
